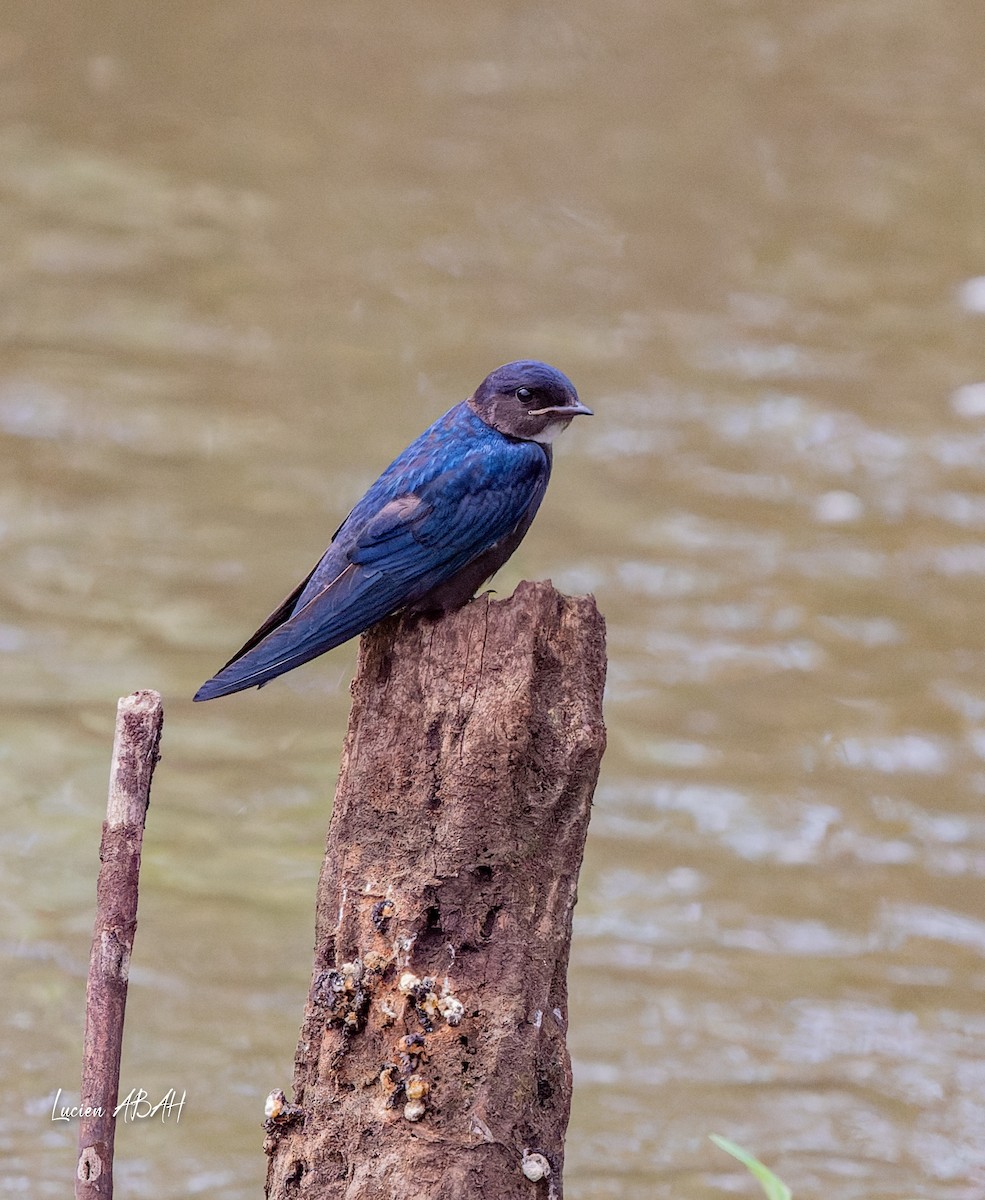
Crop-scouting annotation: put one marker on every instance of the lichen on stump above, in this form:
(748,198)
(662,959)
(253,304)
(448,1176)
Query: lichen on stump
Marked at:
(432,1060)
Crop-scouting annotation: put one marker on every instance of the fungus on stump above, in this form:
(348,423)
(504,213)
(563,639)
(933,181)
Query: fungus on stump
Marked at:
(432,1060)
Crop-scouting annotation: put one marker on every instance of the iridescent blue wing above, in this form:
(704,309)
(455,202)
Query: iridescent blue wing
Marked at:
(387,556)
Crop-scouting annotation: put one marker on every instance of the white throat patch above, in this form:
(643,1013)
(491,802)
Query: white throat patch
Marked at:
(550,432)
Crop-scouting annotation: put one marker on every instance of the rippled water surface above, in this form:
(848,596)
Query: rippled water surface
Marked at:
(250,251)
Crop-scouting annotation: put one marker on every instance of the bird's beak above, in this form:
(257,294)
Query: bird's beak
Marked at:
(563,410)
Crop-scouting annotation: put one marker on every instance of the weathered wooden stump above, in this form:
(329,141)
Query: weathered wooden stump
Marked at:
(432,1061)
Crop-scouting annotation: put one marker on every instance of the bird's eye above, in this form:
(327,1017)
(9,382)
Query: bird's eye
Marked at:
(523,393)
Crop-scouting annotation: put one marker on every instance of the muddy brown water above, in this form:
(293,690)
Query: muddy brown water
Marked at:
(248,253)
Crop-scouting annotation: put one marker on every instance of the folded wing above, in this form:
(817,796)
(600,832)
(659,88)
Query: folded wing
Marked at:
(388,553)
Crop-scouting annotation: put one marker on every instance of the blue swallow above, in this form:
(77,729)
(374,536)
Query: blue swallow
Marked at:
(441,519)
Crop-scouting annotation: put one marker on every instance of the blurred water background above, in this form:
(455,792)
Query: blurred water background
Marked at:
(248,252)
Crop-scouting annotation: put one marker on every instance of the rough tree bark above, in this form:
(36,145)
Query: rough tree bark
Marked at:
(432,1060)
(139,721)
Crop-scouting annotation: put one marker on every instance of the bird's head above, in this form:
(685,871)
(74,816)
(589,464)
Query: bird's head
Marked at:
(527,400)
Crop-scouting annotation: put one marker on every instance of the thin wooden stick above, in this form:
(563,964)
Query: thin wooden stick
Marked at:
(139,721)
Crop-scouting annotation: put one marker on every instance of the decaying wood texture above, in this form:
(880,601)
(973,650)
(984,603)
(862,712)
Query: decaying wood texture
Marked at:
(432,1062)
(139,722)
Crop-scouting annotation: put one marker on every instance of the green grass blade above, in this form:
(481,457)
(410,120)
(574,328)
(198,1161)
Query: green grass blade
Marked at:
(772,1187)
